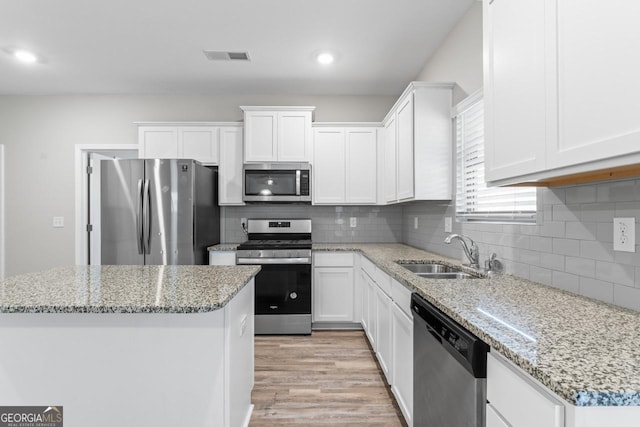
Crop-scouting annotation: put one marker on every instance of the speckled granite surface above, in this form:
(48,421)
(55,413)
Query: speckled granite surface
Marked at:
(124,289)
(224,247)
(586,351)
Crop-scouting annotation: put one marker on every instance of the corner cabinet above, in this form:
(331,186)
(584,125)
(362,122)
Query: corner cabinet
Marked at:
(344,165)
(551,107)
(417,143)
(277,134)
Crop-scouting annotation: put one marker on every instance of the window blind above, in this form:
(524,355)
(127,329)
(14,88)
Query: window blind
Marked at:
(474,200)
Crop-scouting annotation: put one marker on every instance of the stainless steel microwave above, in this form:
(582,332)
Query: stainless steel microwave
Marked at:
(277,182)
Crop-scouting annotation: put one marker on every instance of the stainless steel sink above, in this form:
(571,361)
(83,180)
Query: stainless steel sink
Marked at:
(429,268)
(458,275)
(437,271)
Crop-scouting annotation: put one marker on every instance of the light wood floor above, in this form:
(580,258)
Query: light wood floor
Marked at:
(330,377)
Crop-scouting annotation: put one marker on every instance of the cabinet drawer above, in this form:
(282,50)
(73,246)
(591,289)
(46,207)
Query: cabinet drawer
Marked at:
(401,296)
(368,267)
(519,399)
(333,259)
(384,281)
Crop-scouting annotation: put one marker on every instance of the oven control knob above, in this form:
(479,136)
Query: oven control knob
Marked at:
(293,295)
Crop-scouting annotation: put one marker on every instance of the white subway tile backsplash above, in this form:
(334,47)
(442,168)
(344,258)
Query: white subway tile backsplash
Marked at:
(580,266)
(617,273)
(568,282)
(566,246)
(596,289)
(626,296)
(581,230)
(580,194)
(598,212)
(570,247)
(596,250)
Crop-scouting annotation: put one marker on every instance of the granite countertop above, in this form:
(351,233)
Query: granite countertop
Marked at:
(586,351)
(223,247)
(124,289)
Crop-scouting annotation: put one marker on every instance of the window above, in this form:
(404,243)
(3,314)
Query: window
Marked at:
(474,200)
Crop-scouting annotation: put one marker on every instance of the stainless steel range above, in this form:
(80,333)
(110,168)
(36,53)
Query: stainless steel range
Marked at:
(283,287)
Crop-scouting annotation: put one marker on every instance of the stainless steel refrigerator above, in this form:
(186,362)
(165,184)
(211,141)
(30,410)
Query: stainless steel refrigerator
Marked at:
(157,211)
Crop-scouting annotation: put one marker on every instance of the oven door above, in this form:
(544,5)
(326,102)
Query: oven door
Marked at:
(283,289)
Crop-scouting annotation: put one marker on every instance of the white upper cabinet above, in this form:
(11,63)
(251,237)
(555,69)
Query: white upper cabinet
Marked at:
(552,104)
(418,144)
(179,142)
(277,134)
(230,169)
(344,165)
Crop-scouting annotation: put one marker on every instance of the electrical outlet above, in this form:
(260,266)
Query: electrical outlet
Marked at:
(448,225)
(58,221)
(415,222)
(353,222)
(624,234)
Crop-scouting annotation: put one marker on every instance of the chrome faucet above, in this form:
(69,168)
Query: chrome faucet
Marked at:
(473,253)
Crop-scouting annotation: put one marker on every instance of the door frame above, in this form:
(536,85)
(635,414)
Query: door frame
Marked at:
(82,152)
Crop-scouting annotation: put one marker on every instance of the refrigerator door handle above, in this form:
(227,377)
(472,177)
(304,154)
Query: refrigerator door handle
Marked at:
(139,220)
(147,219)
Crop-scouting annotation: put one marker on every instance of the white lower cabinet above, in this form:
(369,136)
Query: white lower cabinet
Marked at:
(222,257)
(402,351)
(388,323)
(517,400)
(334,289)
(383,323)
(494,419)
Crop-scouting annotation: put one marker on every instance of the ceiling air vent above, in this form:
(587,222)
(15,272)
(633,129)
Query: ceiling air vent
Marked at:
(218,55)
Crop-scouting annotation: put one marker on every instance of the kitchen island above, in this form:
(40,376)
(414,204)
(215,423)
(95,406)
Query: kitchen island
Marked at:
(130,345)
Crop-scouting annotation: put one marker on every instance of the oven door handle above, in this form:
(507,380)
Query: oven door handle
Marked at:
(259,261)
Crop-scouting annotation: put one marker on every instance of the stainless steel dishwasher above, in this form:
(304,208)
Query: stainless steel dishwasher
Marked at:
(450,370)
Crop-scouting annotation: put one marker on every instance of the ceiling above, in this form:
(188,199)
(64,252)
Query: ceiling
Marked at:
(155,46)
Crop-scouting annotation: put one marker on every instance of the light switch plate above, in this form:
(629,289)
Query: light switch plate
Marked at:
(58,221)
(353,221)
(448,224)
(624,234)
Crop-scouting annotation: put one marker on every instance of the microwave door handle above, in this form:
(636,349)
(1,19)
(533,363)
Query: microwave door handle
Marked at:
(298,182)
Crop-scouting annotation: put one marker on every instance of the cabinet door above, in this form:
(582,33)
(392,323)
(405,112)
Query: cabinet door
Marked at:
(493,419)
(383,330)
(598,87)
(230,169)
(372,312)
(199,143)
(158,142)
(261,132)
(333,292)
(329,176)
(361,158)
(390,161)
(294,136)
(364,303)
(402,361)
(404,117)
(515,87)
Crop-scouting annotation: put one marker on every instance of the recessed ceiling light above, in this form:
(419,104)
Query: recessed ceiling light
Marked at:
(325,58)
(25,56)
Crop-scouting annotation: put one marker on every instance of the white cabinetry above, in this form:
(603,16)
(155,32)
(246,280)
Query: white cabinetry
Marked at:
(230,170)
(334,290)
(551,109)
(277,134)
(180,141)
(402,349)
(344,165)
(517,399)
(388,324)
(222,257)
(418,144)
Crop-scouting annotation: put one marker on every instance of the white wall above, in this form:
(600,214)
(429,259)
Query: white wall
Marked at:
(40,132)
(459,58)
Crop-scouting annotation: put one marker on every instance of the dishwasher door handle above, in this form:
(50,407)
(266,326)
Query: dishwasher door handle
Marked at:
(434,333)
